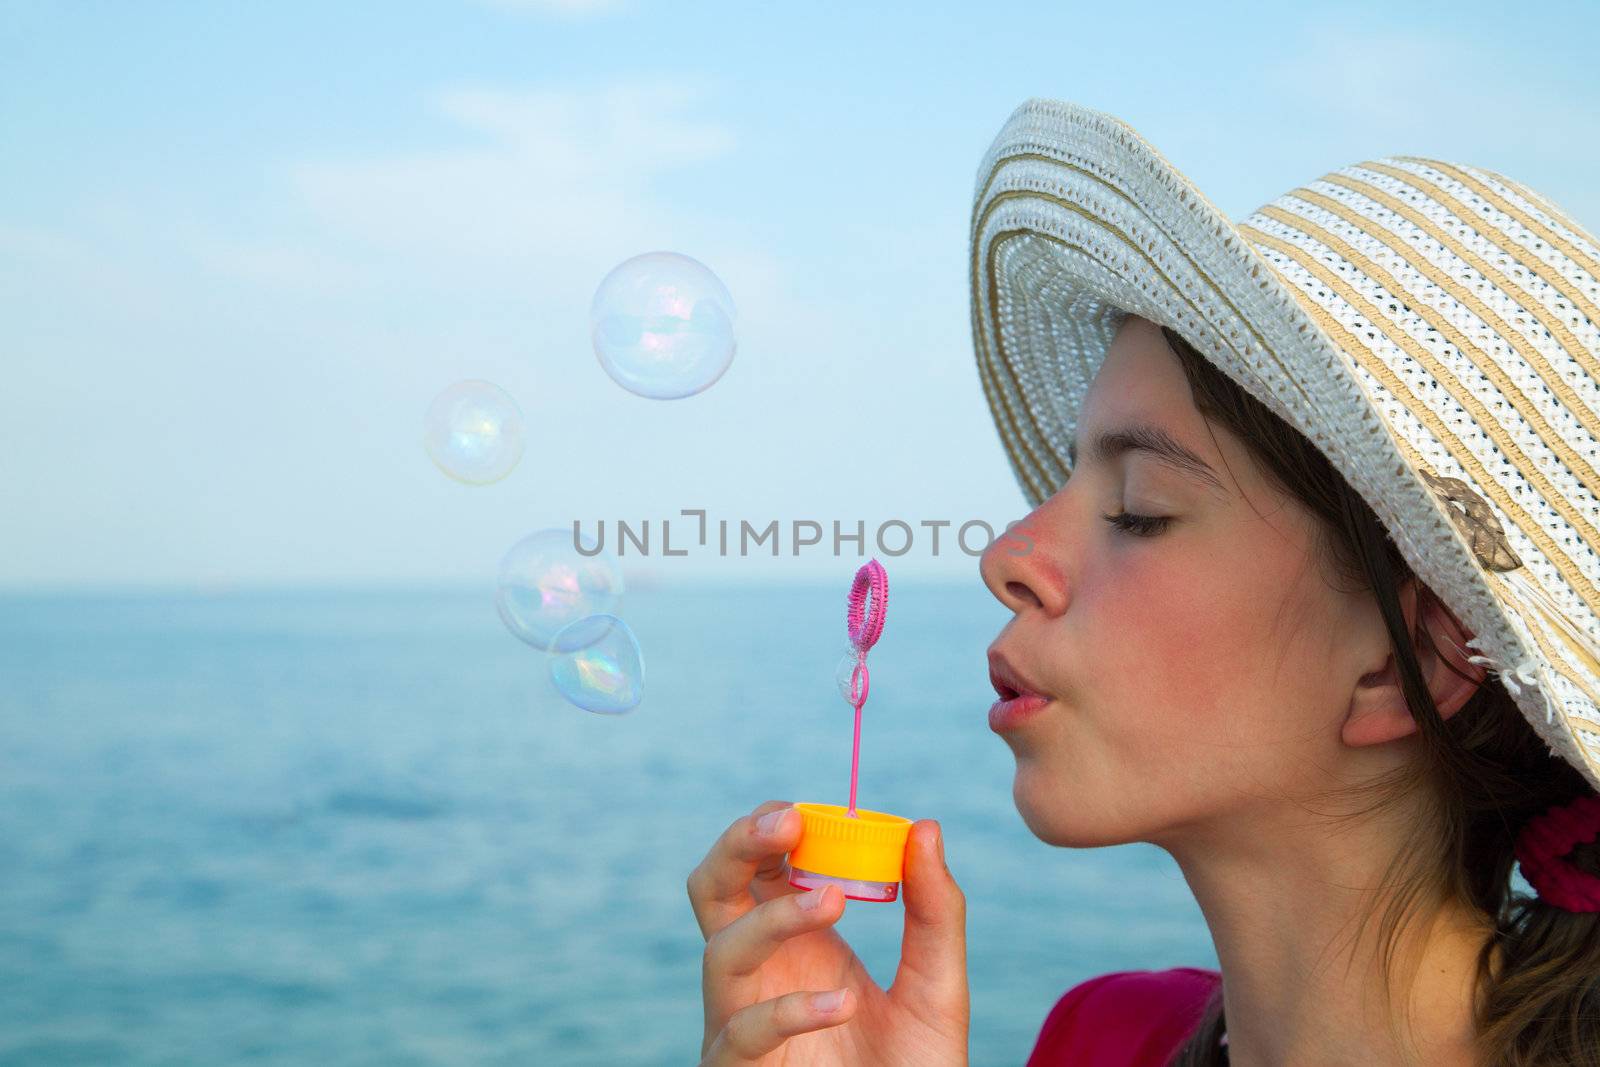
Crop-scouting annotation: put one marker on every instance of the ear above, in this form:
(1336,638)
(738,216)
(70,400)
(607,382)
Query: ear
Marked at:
(1378,710)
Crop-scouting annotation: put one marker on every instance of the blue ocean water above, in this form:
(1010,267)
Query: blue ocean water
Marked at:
(362,828)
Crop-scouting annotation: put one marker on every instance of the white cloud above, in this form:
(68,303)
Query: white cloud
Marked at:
(1430,93)
(31,253)
(275,265)
(1404,86)
(538,194)
(557,171)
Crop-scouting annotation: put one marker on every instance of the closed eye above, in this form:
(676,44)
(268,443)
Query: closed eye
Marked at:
(1139,525)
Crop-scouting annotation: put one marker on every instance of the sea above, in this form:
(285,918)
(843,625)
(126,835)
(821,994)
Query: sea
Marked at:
(362,826)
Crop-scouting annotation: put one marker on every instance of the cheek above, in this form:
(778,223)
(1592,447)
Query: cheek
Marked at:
(1185,640)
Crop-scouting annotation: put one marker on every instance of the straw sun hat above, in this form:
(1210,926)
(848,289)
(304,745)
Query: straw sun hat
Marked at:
(1433,328)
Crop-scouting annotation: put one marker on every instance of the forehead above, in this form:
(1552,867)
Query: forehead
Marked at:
(1140,378)
(1148,410)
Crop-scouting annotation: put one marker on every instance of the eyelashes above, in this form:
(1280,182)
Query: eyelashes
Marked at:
(1139,525)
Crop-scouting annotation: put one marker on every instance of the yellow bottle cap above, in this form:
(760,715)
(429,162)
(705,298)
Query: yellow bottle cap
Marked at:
(868,848)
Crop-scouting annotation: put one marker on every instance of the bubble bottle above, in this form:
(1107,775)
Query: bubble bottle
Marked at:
(860,851)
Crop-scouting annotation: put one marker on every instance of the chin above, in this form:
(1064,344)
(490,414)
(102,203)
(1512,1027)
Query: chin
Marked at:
(1054,815)
(1046,812)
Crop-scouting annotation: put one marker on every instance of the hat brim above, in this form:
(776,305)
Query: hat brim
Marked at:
(1078,221)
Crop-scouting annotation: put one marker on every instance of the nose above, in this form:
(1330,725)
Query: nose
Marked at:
(1022,568)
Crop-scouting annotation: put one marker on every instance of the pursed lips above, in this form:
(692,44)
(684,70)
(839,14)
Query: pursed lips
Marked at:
(1008,682)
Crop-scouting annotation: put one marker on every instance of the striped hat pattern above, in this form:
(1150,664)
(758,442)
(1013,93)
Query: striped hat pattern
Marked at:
(1432,327)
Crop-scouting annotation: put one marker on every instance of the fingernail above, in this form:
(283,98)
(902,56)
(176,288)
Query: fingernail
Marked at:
(768,823)
(941,844)
(811,899)
(828,1001)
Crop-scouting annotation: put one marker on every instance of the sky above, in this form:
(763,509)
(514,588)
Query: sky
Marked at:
(242,247)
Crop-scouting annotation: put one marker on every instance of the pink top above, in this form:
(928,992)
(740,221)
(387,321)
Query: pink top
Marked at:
(1124,1019)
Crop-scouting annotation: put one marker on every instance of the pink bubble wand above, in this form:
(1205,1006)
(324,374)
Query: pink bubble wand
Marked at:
(864,613)
(860,850)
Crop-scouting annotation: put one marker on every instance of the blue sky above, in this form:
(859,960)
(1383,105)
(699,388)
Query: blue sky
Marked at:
(243,246)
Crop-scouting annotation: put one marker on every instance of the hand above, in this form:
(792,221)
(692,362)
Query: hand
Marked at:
(765,957)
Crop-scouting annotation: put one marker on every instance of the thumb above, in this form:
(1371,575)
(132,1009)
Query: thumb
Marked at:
(933,950)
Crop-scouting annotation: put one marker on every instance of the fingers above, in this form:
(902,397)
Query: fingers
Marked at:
(734,955)
(743,868)
(738,949)
(933,949)
(753,1032)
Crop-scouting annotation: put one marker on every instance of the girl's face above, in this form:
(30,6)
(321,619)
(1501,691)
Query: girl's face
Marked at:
(1197,672)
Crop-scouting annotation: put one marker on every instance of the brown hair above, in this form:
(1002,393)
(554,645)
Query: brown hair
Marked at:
(1480,774)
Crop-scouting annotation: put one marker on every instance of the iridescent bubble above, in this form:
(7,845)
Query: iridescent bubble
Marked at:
(662,325)
(546,584)
(606,672)
(473,432)
(844,676)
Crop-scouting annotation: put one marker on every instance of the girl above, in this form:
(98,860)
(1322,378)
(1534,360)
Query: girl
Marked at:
(1307,598)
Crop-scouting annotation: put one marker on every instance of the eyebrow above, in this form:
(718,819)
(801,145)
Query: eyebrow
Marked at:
(1143,437)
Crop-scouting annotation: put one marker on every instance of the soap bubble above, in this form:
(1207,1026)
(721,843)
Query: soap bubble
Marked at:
(662,325)
(606,672)
(473,432)
(851,688)
(545,584)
